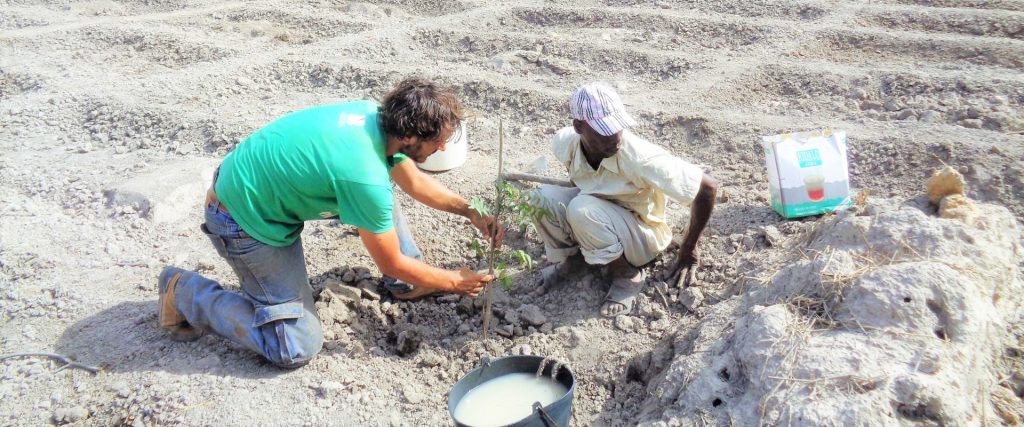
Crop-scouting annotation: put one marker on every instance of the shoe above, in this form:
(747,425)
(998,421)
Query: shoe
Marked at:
(169,318)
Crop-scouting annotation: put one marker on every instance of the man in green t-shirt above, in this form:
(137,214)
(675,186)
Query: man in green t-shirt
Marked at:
(334,161)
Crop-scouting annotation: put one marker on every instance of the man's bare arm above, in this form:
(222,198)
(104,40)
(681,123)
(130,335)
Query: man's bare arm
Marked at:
(700,213)
(384,249)
(427,190)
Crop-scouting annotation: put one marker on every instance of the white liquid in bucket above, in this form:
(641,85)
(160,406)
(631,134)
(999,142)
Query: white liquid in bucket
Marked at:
(506,399)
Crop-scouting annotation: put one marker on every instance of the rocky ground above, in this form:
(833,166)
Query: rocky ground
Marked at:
(112,113)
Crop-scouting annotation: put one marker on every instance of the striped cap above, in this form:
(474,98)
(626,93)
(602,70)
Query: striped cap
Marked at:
(599,105)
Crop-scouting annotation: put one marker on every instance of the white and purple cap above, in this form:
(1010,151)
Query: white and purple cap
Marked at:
(599,105)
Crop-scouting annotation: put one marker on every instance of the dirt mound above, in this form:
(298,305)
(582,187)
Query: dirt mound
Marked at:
(883,315)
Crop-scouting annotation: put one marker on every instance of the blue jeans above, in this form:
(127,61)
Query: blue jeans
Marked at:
(274,315)
(407,245)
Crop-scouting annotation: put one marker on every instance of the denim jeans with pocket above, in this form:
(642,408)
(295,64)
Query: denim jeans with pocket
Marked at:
(274,314)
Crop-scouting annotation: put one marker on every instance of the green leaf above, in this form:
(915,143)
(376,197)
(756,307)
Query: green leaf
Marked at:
(504,277)
(524,259)
(477,247)
(479,205)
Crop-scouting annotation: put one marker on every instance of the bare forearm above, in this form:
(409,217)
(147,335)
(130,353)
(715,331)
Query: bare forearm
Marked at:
(441,198)
(429,191)
(700,212)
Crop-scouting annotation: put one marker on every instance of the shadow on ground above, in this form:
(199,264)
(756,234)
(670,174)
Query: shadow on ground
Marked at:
(125,338)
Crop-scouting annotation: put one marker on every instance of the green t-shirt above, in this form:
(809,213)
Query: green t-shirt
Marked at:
(319,163)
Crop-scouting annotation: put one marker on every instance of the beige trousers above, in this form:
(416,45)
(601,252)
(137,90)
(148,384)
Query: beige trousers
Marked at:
(602,230)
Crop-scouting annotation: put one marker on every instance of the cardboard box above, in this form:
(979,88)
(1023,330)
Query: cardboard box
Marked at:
(808,173)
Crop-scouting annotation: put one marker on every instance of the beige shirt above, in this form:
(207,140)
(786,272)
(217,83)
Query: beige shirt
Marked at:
(638,177)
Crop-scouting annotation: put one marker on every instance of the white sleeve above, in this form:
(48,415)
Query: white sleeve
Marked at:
(678,178)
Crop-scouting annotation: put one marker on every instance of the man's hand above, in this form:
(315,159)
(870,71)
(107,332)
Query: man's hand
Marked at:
(684,272)
(470,282)
(489,226)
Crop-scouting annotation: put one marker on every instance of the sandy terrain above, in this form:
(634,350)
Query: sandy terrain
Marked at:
(111,112)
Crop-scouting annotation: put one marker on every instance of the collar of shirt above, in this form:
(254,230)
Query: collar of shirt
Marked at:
(580,160)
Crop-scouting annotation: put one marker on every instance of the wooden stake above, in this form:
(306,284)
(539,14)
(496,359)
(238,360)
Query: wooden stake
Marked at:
(517,176)
(499,201)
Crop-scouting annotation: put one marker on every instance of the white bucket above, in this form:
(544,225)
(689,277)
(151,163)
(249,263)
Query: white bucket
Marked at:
(453,156)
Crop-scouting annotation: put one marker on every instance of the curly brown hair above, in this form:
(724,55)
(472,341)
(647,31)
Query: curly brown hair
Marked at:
(418,107)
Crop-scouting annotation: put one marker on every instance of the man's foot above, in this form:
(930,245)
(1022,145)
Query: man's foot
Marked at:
(627,282)
(169,318)
(417,292)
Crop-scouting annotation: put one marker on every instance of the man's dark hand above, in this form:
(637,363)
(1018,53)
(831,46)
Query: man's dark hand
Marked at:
(684,271)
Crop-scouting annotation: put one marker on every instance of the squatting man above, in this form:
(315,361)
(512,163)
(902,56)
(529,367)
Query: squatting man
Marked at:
(334,161)
(614,213)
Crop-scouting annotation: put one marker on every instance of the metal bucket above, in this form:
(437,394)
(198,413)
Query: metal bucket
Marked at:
(557,413)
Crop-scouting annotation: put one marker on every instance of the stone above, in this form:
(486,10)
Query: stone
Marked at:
(972,123)
(907,115)
(505,330)
(892,105)
(956,206)
(691,298)
(859,94)
(343,291)
(430,358)
(944,182)
(624,323)
(747,242)
(369,289)
(532,315)
(501,296)
(512,317)
(408,342)
(870,105)
(361,272)
(70,415)
(348,276)
(931,116)
(465,306)
(164,195)
(772,235)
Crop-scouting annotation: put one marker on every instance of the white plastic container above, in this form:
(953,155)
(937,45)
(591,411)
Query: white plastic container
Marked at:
(453,156)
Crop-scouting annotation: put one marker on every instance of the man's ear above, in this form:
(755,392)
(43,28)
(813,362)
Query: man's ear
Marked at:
(578,124)
(407,141)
